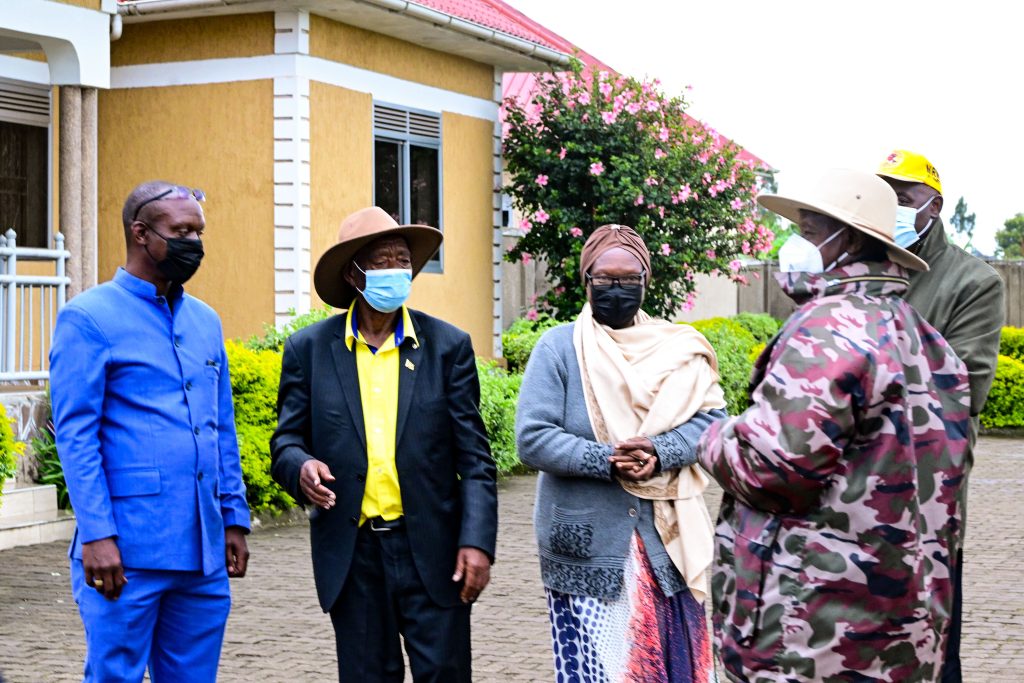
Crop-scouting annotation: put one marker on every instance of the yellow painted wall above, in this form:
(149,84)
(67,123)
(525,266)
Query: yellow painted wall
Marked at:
(341,161)
(217,137)
(374,51)
(33,55)
(88,4)
(463,294)
(176,40)
(341,173)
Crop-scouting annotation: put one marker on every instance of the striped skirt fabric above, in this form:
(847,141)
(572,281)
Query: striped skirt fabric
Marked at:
(643,636)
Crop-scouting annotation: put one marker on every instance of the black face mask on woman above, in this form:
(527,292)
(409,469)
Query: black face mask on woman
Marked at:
(182,258)
(615,305)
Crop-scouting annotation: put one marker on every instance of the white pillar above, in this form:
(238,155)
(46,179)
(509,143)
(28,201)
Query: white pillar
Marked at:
(292,262)
(88,248)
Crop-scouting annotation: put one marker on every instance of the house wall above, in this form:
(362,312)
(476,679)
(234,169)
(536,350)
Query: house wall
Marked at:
(218,137)
(358,47)
(179,40)
(221,137)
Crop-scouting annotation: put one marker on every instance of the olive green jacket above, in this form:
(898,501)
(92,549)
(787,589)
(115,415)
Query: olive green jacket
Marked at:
(963,298)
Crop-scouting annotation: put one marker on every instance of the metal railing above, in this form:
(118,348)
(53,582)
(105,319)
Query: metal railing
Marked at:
(28,308)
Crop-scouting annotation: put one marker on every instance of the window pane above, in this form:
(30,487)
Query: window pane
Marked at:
(23,172)
(387,177)
(425,188)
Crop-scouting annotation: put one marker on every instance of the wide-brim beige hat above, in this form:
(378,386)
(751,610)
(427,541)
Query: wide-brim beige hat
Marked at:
(860,200)
(358,230)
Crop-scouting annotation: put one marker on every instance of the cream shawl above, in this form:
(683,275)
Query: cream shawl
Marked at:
(644,380)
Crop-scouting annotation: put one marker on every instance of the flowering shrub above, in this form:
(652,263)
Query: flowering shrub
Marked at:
(590,149)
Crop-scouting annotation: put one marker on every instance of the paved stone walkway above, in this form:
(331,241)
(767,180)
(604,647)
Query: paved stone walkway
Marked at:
(277,632)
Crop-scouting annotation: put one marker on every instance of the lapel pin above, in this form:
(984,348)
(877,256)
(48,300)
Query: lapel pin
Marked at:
(409,364)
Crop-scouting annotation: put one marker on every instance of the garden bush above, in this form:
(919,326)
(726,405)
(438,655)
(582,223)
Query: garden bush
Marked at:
(49,469)
(499,394)
(1005,406)
(519,339)
(10,450)
(735,347)
(761,325)
(273,338)
(254,378)
(1011,343)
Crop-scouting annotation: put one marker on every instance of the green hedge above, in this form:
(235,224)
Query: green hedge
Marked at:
(761,325)
(734,346)
(1005,406)
(518,340)
(499,394)
(10,449)
(254,378)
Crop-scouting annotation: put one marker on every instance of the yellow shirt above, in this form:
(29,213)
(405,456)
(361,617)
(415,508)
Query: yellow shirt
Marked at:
(378,391)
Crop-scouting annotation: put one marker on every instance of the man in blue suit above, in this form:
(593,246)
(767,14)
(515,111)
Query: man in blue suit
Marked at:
(145,431)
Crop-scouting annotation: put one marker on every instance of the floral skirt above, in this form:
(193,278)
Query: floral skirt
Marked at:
(642,636)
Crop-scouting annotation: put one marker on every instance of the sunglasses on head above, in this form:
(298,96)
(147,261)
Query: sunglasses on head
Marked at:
(175,192)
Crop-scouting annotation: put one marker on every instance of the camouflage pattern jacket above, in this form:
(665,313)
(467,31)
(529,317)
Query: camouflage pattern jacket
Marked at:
(843,490)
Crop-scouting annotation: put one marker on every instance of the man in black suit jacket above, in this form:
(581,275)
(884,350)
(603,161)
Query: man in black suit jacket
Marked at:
(379,431)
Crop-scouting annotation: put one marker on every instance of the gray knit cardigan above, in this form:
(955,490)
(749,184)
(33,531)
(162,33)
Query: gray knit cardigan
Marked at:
(583,518)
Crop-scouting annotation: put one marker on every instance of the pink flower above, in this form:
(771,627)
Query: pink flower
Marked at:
(691,301)
(666,249)
(541,216)
(653,105)
(661,211)
(639,200)
(575,232)
(541,180)
(663,134)
(606,89)
(596,168)
(736,203)
(525,225)
(561,154)
(583,98)
(527,257)
(710,253)
(659,154)
(633,108)
(651,181)
(531,314)
(608,117)
(735,265)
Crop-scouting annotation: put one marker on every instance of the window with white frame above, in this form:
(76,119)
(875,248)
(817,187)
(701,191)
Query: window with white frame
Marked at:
(407,167)
(25,162)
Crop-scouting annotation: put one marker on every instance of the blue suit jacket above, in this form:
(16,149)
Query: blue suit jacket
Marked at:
(145,425)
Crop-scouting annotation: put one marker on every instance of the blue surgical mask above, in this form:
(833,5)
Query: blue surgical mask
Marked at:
(386,289)
(800,255)
(905,233)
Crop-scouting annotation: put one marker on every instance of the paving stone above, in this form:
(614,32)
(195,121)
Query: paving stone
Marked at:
(278,633)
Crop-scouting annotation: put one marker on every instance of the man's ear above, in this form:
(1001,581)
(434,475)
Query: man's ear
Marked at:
(935,208)
(348,274)
(139,233)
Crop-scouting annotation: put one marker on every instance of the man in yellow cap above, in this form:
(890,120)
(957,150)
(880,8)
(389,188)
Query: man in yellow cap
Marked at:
(961,296)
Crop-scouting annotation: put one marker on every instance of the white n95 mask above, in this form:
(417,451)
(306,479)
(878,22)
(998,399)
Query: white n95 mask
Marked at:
(800,255)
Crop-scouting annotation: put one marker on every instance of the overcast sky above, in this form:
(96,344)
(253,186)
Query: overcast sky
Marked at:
(816,84)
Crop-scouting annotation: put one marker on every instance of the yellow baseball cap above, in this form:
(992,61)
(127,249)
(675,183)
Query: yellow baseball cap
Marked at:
(910,167)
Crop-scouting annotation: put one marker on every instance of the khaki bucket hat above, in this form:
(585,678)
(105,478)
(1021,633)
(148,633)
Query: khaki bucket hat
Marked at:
(358,230)
(860,200)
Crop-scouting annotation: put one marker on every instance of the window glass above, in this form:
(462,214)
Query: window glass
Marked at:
(23,182)
(424,186)
(388,178)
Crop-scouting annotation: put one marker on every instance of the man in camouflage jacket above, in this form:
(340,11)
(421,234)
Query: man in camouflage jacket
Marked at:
(842,501)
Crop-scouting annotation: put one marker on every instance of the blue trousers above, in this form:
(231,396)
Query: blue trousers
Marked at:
(172,621)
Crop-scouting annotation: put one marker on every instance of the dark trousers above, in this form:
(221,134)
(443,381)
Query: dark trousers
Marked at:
(951,666)
(384,601)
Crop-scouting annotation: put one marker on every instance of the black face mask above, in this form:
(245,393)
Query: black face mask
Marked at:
(615,305)
(182,258)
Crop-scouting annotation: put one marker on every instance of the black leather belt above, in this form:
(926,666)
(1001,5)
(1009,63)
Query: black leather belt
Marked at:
(379,525)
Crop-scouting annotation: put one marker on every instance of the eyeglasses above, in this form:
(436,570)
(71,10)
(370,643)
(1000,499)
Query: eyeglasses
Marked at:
(176,192)
(626,281)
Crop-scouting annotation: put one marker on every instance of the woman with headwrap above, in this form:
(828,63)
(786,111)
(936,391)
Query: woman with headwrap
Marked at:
(613,406)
